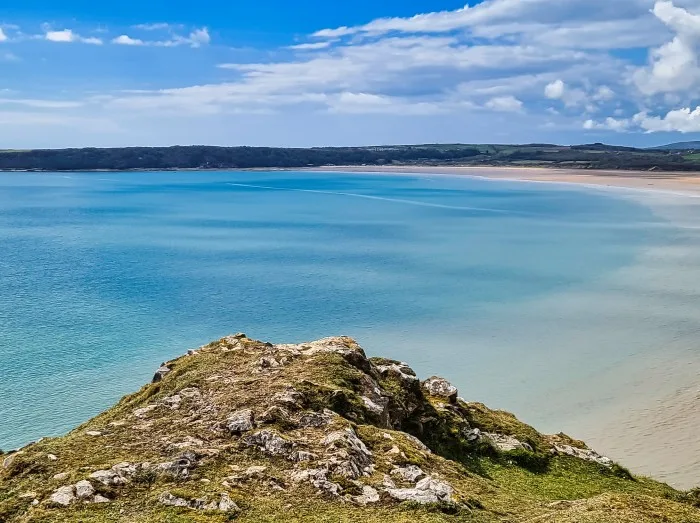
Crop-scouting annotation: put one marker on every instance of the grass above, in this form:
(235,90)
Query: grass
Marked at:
(489,486)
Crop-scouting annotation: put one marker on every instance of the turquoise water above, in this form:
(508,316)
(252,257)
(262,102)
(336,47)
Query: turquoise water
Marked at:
(105,275)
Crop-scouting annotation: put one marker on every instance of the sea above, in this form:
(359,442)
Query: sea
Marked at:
(576,308)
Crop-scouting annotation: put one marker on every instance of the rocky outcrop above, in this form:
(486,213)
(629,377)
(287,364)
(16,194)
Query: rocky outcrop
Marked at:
(239,421)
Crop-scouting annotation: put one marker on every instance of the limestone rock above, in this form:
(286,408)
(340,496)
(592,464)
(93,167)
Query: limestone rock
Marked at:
(369,495)
(167,499)
(584,454)
(240,422)
(273,415)
(505,443)
(440,388)
(269,443)
(162,371)
(63,496)
(84,489)
(100,499)
(315,419)
(348,455)
(428,490)
(409,474)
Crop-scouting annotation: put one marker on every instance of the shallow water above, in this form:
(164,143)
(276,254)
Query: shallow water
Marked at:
(550,301)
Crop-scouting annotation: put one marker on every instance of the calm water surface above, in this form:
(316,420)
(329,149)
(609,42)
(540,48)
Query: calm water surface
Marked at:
(493,284)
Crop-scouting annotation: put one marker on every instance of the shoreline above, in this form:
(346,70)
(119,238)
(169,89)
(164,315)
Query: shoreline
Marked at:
(671,182)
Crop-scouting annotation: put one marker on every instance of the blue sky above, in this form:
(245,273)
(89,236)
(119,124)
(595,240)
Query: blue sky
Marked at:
(305,73)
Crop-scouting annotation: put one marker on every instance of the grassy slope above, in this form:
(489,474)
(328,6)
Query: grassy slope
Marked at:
(489,485)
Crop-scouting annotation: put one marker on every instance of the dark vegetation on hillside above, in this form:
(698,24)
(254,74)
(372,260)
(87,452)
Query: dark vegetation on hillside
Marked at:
(592,156)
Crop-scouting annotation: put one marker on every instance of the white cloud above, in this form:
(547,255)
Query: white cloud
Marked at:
(555,90)
(160,26)
(684,120)
(674,66)
(609,124)
(3,36)
(68,36)
(312,46)
(127,40)
(508,104)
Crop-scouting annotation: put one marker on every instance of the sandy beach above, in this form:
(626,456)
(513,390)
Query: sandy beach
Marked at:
(650,418)
(657,180)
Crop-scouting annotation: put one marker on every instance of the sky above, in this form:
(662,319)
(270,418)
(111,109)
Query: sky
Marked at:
(307,73)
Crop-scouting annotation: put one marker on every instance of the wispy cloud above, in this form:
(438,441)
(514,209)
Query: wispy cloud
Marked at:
(195,39)
(159,26)
(3,36)
(68,36)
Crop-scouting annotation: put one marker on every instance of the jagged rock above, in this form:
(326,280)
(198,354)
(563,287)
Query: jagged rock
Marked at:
(584,454)
(240,422)
(274,414)
(268,362)
(227,505)
(84,489)
(302,455)
(315,419)
(400,370)
(173,402)
(162,371)
(167,499)
(7,462)
(108,477)
(369,495)
(140,413)
(473,435)
(410,474)
(440,388)
(190,393)
(428,490)
(319,479)
(348,455)
(101,499)
(63,496)
(343,345)
(505,443)
(269,443)
(290,398)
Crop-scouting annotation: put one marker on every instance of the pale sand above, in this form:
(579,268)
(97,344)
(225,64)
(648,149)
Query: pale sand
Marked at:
(658,180)
(651,422)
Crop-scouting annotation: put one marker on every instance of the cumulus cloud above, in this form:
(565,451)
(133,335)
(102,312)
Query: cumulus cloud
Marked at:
(538,58)
(555,90)
(685,120)
(127,40)
(673,66)
(68,36)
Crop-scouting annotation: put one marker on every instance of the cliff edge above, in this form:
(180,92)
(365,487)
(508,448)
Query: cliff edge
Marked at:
(317,432)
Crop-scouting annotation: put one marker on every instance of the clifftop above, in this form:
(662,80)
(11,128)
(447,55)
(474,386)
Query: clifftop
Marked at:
(250,431)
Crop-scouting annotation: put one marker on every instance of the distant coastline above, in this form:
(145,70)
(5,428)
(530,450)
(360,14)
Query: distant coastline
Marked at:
(687,183)
(199,157)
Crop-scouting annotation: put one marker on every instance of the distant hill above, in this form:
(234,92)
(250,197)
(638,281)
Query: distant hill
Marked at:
(682,146)
(590,156)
